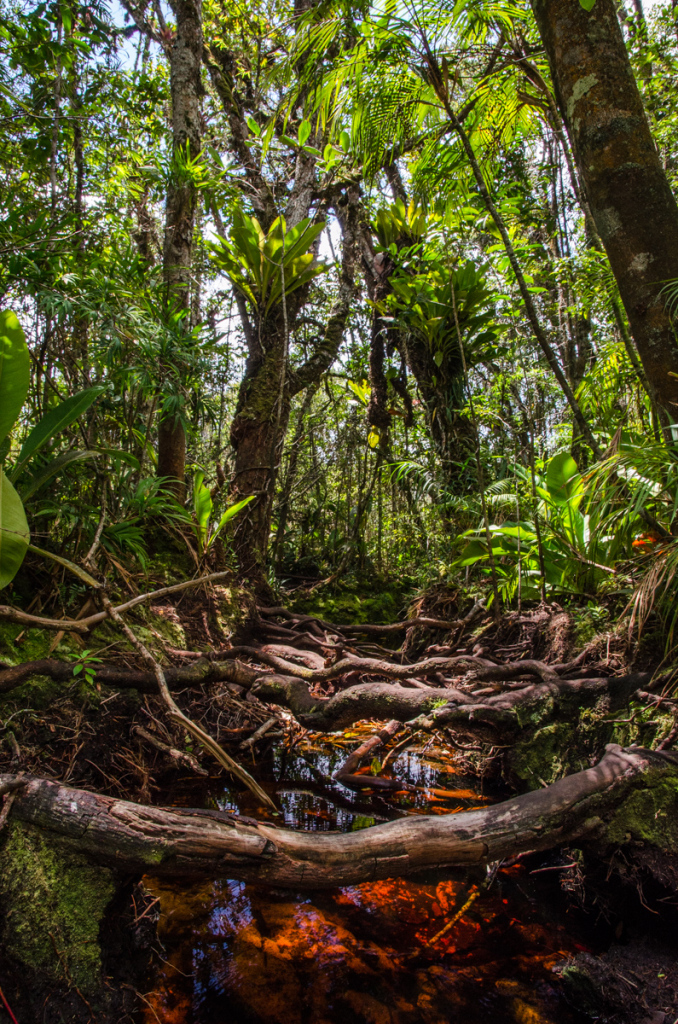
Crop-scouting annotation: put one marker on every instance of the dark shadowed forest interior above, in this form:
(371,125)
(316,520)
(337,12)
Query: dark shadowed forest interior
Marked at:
(338,512)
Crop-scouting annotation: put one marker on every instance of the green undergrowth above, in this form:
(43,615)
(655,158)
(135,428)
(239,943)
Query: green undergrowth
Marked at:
(589,621)
(54,902)
(649,815)
(564,746)
(354,601)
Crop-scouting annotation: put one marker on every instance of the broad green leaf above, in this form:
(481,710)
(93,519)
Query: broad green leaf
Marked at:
(15,371)
(473,552)
(232,511)
(14,534)
(42,476)
(563,479)
(361,391)
(588,5)
(118,455)
(52,423)
(202,506)
(345,141)
(67,564)
(253,126)
(304,131)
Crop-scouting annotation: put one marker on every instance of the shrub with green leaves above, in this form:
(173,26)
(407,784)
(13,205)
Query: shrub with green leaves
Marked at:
(15,375)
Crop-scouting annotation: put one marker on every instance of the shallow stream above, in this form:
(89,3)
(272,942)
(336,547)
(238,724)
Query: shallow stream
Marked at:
(373,953)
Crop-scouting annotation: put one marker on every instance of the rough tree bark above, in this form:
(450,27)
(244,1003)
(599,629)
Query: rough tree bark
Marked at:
(185,60)
(268,387)
(631,202)
(291,475)
(184,842)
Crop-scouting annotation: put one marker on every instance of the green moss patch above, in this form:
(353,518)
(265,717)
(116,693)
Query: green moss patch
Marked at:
(53,901)
(649,815)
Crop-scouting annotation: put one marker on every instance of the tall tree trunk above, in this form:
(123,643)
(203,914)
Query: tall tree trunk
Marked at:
(257,433)
(291,476)
(630,198)
(185,58)
(263,410)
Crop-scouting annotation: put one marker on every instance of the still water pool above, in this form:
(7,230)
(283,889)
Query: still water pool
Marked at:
(373,953)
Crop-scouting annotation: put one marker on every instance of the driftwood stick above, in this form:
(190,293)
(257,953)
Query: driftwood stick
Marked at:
(345,774)
(176,842)
(259,734)
(177,755)
(8,614)
(177,715)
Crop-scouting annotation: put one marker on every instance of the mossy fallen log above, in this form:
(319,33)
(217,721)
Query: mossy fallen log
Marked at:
(177,842)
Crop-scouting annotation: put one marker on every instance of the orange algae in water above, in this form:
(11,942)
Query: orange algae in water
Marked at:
(249,956)
(242,954)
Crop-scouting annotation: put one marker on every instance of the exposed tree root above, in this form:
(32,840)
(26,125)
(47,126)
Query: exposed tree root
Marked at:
(197,674)
(378,629)
(503,714)
(178,842)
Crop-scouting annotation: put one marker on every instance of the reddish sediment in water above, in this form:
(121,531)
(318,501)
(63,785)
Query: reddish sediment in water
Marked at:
(372,953)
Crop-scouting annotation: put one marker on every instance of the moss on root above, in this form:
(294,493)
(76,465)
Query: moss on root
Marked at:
(577,739)
(649,815)
(53,901)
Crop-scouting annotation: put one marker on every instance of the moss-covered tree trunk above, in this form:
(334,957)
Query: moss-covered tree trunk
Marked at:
(185,58)
(266,392)
(629,195)
(257,434)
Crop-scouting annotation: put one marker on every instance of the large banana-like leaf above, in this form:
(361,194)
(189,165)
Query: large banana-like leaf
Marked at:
(15,371)
(14,534)
(563,480)
(41,476)
(52,423)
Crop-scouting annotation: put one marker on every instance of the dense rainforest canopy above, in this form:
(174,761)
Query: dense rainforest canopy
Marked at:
(362,310)
(379,271)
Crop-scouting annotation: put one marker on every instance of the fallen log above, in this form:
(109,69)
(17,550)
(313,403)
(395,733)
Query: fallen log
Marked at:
(179,842)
